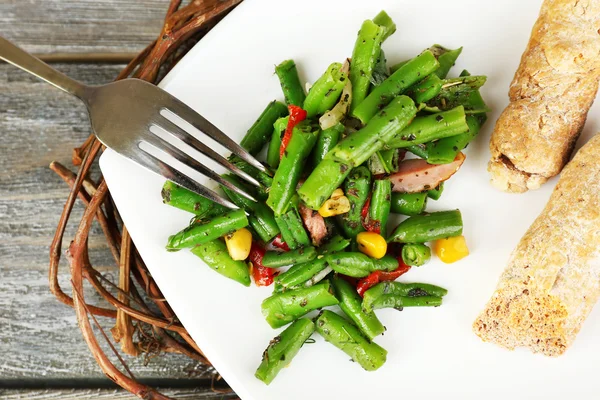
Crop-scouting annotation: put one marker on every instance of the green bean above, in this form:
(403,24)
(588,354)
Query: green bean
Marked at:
(384,20)
(431,127)
(327,176)
(277,288)
(398,295)
(184,199)
(282,308)
(356,188)
(354,264)
(396,67)
(409,74)
(359,265)
(354,150)
(376,165)
(385,263)
(380,70)
(283,348)
(347,337)
(446,57)
(262,177)
(379,209)
(399,302)
(335,244)
(351,305)
(408,203)
(325,92)
(258,134)
(415,254)
(390,159)
(460,91)
(413,289)
(426,89)
(287,176)
(276,259)
(436,193)
(474,102)
(216,256)
(419,150)
(263,222)
(364,57)
(261,217)
(286,233)
(326,141)
(279,128)
(290,83)
(295,226)
(427,227)
(208,230)
(444,151)
(384,127)
(300,273)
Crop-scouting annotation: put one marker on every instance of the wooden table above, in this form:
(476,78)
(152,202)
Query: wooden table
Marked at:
(42,353)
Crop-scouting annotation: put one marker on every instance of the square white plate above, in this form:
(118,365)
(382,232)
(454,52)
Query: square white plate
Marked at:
(228,77)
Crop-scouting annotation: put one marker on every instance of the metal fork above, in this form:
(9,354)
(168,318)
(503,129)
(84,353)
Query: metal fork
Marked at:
(122,113)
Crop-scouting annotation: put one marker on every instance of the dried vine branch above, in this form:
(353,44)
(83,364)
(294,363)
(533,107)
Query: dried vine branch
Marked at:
(137,328)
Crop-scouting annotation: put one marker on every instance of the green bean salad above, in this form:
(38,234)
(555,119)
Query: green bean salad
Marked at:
(366,141)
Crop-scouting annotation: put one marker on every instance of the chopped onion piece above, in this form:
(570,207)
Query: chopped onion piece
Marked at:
(337,113)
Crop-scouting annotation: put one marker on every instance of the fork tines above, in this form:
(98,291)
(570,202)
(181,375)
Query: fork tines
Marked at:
(169,124)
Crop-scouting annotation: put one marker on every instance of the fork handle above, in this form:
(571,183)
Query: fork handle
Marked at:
(20,58)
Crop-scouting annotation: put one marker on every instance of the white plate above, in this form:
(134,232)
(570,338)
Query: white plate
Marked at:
(228,77)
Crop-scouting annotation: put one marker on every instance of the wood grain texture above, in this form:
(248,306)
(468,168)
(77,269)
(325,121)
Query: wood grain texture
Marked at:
(39,337)
(47,26)
(105,394)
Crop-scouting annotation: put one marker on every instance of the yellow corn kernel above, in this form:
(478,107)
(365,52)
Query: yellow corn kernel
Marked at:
(239,243)
(337,193)
(337,206)
(451,249)
(371,244)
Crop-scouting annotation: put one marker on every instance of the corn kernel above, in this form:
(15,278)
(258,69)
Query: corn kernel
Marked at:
(371,244)
(239,243)
(451,249)
(337,206)
(336,194)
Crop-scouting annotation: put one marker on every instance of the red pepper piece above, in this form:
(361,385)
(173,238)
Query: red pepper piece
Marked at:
(297,114)
(368,282)
(280,244)
(395,274)
(262,275)
(364,213)
(376,277)
(367,223)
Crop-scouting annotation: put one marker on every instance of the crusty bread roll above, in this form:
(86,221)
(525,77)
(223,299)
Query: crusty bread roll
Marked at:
(550,95)
(552,280)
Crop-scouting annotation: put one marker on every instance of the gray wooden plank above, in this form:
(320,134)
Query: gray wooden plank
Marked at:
(46,26)
(93,394)
(39,337)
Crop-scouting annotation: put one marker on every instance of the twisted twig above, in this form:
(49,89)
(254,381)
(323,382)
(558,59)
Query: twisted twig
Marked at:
(165,333)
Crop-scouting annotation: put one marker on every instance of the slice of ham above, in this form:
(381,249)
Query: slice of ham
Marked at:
(314,223)
(416,175)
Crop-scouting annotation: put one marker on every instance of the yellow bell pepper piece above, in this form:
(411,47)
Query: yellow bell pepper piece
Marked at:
(239,244)
(371,244)
(451,249)
(336,205)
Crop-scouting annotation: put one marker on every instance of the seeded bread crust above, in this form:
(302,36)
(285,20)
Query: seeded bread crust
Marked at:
(552,280)
(550,96)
